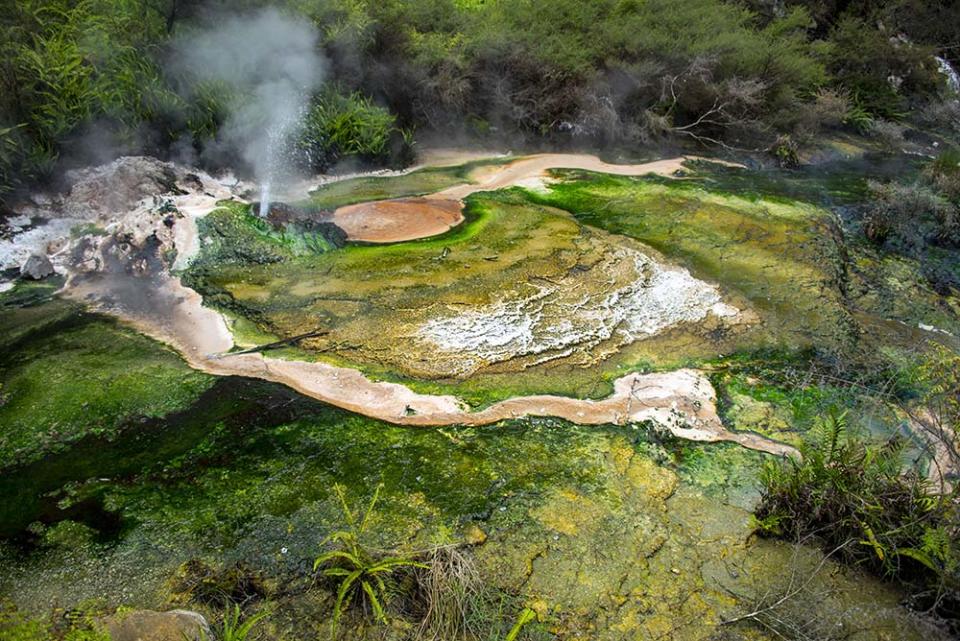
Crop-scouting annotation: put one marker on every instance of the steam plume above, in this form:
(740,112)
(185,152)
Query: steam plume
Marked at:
(270,63)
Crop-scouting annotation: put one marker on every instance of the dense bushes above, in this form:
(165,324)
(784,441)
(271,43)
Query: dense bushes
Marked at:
(619,71)
(613,69)
(911,215)
(856,500)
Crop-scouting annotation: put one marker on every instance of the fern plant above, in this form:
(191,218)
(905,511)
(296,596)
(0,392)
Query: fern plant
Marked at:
(362,574)
(232,628)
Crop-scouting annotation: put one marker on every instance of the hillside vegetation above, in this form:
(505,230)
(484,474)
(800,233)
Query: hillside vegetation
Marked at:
(85,80)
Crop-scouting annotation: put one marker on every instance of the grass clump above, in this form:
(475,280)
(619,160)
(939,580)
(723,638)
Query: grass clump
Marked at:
(340,125)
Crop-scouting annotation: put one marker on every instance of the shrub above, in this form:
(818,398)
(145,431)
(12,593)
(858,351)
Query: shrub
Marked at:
(908,213)
(855,498)
(340,125)
(944,173)
(880,71)
(829,109)
(926,210)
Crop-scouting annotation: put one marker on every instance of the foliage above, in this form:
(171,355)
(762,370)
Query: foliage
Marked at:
(855,498)
(917,213)
(342,125)
(940,375)
(67,65)
(232,628)
(881,72)
(362,573)
(92,71)
(526,616)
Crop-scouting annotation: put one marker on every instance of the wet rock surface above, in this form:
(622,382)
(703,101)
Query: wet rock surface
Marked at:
(37,267)
(132,203)
(147,625)
(640,555)
(604,532)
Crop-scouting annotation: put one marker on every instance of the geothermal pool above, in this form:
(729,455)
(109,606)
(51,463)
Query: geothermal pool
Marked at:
(576,365)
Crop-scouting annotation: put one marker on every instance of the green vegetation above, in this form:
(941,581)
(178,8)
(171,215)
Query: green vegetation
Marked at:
(66,65)
(361,574)
(856,500)
(623,71)
(244,478)
(861,498)
(913,225)
(231,628)
(66,375)
(914,215)
(77,624)
(341,126)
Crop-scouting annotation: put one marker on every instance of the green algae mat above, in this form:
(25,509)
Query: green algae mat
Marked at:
(125,474)
(554,265)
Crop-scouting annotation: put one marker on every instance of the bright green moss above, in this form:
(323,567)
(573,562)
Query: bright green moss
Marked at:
(415,183)
(65,374)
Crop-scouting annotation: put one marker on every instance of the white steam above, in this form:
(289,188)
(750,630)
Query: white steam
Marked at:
(271,64)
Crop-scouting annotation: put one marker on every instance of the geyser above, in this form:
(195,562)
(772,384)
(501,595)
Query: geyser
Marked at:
(269,66)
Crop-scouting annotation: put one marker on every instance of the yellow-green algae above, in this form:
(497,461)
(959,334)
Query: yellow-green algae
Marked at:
(607,533)
(598,530)
(778,254)
(415,183)
(373,299)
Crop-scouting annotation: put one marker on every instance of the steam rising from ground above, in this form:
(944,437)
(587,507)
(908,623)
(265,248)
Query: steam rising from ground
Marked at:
(269,63)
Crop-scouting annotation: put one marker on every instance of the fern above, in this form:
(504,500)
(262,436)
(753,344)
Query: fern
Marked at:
(830,432)
(361,573)
(232,628)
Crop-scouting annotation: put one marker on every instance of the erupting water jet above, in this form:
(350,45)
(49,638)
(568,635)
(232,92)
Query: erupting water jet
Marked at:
(264,200)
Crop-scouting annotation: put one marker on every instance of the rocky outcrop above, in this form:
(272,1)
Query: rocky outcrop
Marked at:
(122,216)
(147,625)
(120,185)
(37,267)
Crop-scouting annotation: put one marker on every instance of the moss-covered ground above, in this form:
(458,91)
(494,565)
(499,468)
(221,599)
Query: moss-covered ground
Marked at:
(769,239)
(770,254)
(415,183)
(66,374)
(608,533)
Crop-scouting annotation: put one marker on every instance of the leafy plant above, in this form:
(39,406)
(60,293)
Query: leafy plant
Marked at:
(340,125)
(232,628)
(362,573)
(856,497)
